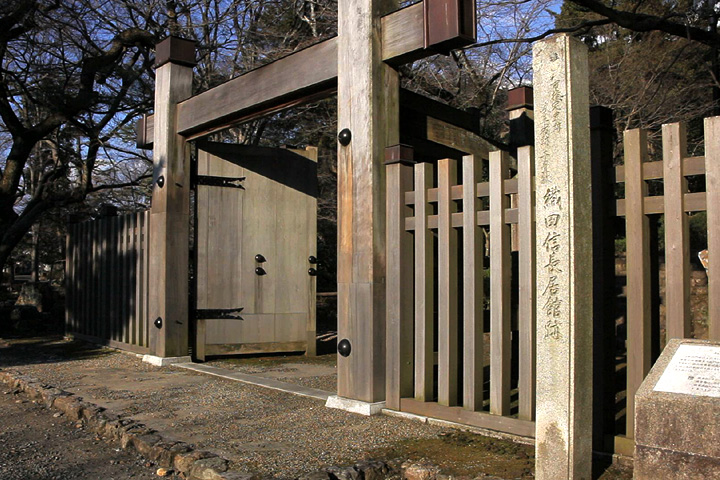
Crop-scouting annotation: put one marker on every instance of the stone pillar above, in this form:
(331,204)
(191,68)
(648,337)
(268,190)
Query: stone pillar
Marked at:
(170,211)
(368,107)
(564,260)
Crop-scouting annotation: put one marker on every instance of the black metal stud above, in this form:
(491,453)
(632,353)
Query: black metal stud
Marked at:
(312,259)
(344,137)
(260,271)
(312,272)
(161,181)
(259,258)
(158,322)
(344,347)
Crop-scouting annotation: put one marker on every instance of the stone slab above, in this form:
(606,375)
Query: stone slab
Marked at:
(355,406)
(257,380)
(164,361)
(677,432)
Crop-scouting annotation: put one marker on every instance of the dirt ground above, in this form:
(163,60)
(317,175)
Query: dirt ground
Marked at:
(268,432)
(40,446)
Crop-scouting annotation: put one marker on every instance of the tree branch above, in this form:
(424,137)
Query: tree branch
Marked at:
(640,22)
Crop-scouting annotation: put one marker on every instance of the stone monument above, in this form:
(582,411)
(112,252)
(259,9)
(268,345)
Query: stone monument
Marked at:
(564,260)
(677,414)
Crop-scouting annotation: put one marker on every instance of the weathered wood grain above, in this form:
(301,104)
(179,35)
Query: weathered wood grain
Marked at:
(399,381)
(677,233)
(514,426)
(473,288)
(712,186)
(403,35)
(526,283)
(281,82)
(500,276)
(368,105)
(424,285)
(457,138)
(170,216)
(448,346)
(637,228)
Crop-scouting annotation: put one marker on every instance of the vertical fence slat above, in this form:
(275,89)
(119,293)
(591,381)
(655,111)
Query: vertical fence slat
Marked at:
(526,284)
(104,286)
(132,276)
(677,244)
(447,286)
(77,277)
(399,287)
(97,279)
(146,278)
(114,276)
(712,186)
(424,286)
(138,259)
(124,263)
(500,276)
(473,293)
(85,279)
(69,280)
(92,279)
(638,270)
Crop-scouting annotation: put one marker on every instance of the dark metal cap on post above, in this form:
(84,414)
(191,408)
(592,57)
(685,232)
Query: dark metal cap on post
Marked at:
(399,154)
(449,24)
(176,50)
(522,125)
(520,97)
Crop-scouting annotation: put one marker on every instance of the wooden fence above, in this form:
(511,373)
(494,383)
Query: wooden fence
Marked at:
(641,212)
(442,360)
(107,281)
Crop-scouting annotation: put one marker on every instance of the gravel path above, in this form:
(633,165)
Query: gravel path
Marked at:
(264,431)
(269,432)
(40,446)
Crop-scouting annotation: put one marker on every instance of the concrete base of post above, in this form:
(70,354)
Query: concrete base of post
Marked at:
(165,361)
(355,406)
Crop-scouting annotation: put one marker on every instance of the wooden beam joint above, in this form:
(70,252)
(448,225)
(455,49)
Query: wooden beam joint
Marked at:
(449,24)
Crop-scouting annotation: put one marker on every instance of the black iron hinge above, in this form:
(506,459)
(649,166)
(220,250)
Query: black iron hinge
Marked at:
(219,314)
(212,181)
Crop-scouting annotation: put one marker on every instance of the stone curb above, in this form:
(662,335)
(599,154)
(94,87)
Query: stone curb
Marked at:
(178,456)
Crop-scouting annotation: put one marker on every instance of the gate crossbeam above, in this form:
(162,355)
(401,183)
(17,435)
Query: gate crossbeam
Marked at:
(302,77)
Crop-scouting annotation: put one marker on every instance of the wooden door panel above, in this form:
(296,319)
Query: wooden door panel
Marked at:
(220,223)
(274,215)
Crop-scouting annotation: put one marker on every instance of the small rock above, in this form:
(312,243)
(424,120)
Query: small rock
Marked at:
(57,414)
(343,473)
(420,471)
(315,476)
(163,472)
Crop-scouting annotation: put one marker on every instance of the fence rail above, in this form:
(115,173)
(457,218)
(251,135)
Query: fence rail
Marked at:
(107,281)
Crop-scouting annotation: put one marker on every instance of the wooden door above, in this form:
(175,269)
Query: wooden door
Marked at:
(256,231)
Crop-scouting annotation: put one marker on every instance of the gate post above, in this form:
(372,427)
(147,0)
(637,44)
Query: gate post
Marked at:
(368,106)
(170,210)
(564,260)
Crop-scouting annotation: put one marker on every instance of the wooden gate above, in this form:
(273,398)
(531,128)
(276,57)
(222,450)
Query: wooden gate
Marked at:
(456,368)
(255,243)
